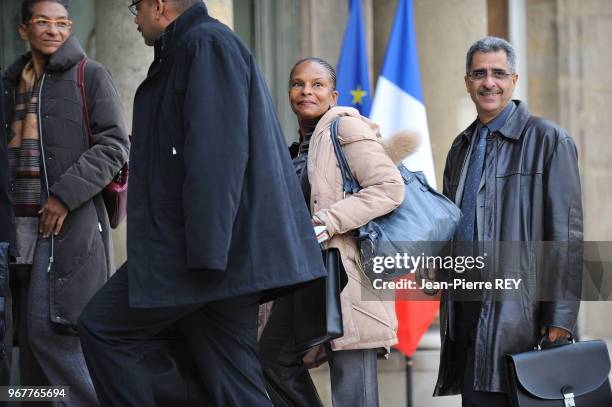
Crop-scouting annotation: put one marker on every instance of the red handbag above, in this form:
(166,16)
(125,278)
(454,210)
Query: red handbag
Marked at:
(115,193)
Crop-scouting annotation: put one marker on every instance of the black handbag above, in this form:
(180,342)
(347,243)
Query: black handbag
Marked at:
(317,310)
(572,375)
(318,313)
(423,223)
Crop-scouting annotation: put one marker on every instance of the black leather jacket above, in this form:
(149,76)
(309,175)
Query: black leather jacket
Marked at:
(531,194)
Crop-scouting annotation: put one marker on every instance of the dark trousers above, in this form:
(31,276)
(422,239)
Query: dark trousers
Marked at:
(472,398)
(467,318)
(353,373)
(221,337)
(287,379)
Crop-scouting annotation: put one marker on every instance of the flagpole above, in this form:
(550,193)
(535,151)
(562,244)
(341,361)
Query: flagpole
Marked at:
(408,364)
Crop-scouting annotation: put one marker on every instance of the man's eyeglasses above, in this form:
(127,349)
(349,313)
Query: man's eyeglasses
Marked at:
(45,23)
(133,7)
(481,74)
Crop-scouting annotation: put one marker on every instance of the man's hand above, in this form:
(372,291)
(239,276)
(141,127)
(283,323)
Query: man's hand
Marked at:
(52,218)
(429,275)
(555,333)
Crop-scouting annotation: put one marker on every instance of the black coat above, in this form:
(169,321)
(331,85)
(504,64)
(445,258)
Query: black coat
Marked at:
(6,208)
(6,232)
(77,167)
(532,194)
(214,208)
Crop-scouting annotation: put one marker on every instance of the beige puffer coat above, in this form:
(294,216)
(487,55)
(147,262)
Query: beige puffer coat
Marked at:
(368,322)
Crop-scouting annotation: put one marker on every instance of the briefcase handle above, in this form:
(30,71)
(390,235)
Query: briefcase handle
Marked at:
(570,339)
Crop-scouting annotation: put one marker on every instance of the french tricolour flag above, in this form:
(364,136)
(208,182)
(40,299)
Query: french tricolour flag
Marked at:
(398,103)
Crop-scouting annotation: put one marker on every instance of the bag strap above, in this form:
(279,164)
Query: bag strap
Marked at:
(81,85)
(349,183)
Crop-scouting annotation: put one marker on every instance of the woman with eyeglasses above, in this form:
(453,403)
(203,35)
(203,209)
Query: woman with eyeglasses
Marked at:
(370,324)
(58,168)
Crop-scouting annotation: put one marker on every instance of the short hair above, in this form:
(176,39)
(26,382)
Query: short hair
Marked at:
(28,5)
(326,65)
(491,44)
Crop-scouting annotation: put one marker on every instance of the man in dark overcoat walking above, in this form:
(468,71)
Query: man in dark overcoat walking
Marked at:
(217,221)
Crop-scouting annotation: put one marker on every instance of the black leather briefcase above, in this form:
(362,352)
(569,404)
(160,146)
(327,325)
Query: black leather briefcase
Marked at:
(572,375)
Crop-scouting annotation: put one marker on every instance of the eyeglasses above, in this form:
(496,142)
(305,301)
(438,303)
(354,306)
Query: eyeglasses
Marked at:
(481,74)
(132,7)
(44,23)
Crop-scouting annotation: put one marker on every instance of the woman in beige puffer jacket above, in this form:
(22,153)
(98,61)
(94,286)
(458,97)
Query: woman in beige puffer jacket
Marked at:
(369,323)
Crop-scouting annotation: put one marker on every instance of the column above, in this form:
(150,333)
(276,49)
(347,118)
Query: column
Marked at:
(120,47)
(518,37)
(323,24)
(585,96)
(222,10)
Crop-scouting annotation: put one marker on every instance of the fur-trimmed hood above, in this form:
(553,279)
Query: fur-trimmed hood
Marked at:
(401,145)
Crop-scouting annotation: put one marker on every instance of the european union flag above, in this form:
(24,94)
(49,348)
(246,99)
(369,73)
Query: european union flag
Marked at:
(353,82)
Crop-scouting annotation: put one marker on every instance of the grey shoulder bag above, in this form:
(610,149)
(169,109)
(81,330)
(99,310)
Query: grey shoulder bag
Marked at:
(423,224)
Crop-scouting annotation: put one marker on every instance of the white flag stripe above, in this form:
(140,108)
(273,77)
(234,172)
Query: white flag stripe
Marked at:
(395,110)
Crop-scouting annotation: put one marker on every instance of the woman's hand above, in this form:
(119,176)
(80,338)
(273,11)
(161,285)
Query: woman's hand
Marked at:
(320,230)
(53,214)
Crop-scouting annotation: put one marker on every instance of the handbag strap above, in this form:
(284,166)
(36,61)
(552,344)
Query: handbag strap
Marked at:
(349,183)
(121,176)
(544,338)
(81,85)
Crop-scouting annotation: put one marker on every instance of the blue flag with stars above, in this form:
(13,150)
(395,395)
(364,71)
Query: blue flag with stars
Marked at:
(353,82)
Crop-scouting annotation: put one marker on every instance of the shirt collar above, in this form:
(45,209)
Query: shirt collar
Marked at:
(498,122)
(177,28)
(513,126)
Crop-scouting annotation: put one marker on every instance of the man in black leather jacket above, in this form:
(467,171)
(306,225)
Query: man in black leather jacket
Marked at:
(515,177)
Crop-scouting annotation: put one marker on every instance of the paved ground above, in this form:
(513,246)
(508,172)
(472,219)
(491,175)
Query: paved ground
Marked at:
(392,382)
(392,377)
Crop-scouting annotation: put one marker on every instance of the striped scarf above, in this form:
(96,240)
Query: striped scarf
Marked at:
(24,146)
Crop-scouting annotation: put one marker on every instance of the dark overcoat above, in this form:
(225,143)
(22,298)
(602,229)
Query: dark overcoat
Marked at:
(215,209)
(76,169)
(532,194)
(6,208)
(6,232)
